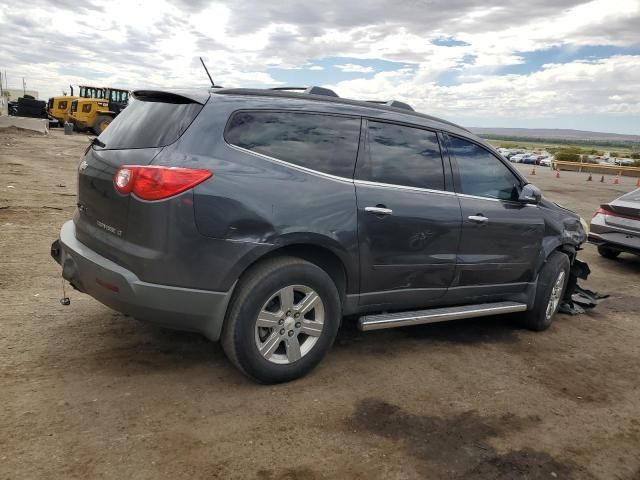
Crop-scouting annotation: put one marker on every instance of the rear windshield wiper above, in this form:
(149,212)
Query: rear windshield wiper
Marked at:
(97,142)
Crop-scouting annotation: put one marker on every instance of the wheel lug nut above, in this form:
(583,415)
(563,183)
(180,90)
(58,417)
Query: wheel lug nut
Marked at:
(296,315)
(291,333)
(281,321)
(282,331)
(288,313)
(297,324)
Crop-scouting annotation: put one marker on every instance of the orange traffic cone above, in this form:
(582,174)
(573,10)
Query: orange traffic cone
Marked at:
(590,179)
(602,179)
(533,171)
(558,173)
(616,181)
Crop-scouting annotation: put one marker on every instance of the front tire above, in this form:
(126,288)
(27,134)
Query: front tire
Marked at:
(608,252)
(552,282)
(282,320)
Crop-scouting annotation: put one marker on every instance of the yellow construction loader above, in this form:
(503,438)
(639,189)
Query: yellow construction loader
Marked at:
(93,109)
(59,108)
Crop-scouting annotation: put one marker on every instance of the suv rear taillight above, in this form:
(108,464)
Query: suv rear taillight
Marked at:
(156,182)
(605,211)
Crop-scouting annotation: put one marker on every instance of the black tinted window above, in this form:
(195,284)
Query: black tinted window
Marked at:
(481,173)
(321,142)
(403,156)
(150,122)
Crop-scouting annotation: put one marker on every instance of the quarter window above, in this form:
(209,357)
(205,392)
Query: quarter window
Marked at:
(403,155)
(325,143)
(62,104)
(481,173)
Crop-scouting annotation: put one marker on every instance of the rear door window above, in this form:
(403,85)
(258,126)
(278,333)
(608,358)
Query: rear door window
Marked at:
(325,143)
(150,122)
(481,173)
(402,155)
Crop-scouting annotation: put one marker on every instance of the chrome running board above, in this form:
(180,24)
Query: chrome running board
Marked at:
(418,317)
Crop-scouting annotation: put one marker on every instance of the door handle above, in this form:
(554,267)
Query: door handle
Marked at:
(478,219)
(379,210)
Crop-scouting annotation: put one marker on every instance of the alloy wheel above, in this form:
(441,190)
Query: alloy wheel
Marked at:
(289,324)
(556,295)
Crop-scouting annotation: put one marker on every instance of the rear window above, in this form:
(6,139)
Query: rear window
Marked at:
(150,122)
(320,142)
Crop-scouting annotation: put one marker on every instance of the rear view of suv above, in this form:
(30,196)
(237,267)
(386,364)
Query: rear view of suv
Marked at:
(261,218)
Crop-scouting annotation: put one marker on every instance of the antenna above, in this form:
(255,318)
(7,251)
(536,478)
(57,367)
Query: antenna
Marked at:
(207,70)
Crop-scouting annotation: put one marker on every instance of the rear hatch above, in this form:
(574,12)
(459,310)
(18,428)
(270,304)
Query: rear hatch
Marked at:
(152,121)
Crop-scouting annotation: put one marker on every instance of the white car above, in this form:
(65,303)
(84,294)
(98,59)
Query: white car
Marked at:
(545,162)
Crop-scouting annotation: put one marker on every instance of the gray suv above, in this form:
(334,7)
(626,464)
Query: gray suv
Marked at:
(261,218)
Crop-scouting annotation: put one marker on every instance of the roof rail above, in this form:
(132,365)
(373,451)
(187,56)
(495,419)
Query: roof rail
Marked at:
(346,101)
(310,90)
(392,103)
(286,89)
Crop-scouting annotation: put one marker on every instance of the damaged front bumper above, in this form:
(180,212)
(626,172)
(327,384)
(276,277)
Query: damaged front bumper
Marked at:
(576,299)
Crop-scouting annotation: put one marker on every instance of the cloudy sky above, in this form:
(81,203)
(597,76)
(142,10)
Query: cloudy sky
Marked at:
(535,63)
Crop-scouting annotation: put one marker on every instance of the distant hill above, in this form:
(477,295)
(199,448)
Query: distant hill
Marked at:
(554,134)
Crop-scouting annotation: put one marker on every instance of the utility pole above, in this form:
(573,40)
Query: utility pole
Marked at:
(24,87)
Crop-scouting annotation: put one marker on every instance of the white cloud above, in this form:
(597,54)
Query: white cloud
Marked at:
(603,87)
(353,68)
(316,67)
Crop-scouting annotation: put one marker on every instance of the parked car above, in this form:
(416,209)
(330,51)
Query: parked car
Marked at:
(262,217)
(518,158)
(615,227)
(545,162)
(627,162)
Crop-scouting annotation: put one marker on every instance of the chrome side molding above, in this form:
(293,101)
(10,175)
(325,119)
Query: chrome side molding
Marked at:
(418,317)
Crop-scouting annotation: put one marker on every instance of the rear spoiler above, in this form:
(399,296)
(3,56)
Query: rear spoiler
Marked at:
(172,96)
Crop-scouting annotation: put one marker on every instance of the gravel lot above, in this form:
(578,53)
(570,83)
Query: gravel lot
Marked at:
(89,393)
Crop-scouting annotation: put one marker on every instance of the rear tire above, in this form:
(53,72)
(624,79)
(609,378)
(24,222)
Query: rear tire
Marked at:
(552,282)
(101,123)
(282,320)
(608,252)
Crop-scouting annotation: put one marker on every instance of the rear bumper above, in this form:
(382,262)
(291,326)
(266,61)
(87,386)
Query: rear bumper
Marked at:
(118,288)
(618,241)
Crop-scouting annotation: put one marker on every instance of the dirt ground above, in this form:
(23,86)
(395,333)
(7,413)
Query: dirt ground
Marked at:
(88,393)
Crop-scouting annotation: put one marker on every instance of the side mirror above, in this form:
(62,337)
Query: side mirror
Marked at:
(530,194)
